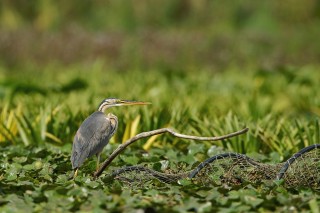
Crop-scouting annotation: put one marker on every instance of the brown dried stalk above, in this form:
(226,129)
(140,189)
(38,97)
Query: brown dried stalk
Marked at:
(139,136)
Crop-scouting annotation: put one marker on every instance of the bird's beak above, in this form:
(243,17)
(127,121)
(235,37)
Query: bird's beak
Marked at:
(128,103)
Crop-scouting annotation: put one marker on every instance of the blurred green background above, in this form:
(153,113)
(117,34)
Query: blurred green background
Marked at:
(170,34)
(253,63)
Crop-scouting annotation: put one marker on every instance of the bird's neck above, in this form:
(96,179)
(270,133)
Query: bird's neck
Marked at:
(103,108)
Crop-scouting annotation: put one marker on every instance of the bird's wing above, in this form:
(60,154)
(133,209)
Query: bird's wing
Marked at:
(90,138)
(79,147)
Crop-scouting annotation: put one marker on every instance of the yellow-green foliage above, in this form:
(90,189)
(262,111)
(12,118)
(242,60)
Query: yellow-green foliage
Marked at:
(9,124)
(280,108)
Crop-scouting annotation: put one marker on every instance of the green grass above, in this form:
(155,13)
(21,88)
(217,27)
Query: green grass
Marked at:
(281,108)
(39,117)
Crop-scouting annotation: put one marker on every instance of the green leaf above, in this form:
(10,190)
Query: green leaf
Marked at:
(195,148)
(185,182)
(130,160)
(93,184)
(29,167)
(314,206)
(20,159)
(11,176)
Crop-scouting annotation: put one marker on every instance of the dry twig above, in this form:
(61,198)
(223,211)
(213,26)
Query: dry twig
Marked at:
(139,136)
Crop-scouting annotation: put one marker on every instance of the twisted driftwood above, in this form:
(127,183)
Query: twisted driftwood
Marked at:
(139,136)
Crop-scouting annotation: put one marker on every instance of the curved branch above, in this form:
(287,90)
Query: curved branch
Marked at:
(139,136)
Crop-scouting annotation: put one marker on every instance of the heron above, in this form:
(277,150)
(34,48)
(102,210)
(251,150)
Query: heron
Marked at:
(95,132)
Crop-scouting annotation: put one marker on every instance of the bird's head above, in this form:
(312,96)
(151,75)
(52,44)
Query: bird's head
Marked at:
(111,102)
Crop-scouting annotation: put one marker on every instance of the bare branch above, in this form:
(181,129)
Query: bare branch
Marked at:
(139,136)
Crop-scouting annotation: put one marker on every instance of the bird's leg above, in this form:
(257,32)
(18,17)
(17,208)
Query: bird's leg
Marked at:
(98,161)
(74,174)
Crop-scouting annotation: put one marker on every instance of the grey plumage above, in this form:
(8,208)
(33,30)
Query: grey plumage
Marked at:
(95,132)
(92,136)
